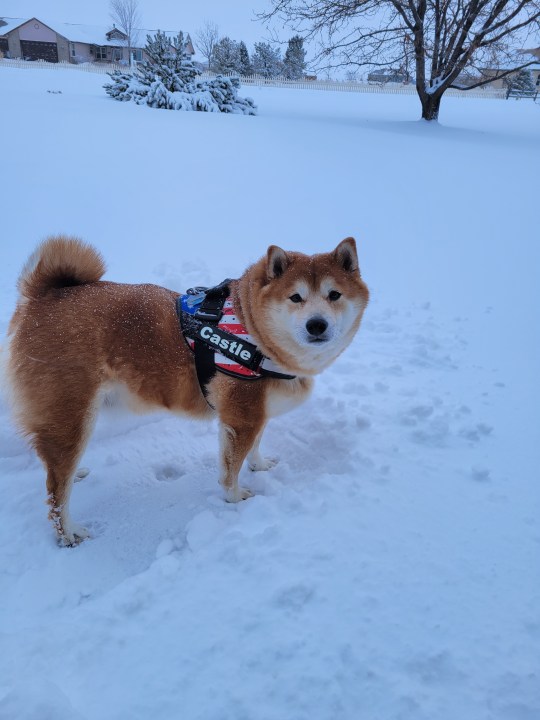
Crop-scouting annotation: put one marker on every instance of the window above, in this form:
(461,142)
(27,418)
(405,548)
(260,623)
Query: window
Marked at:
(117,54)
(137,54)
(101,53)
(72,49)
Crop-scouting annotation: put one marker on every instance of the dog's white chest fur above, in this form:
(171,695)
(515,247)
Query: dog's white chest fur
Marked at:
(284,395)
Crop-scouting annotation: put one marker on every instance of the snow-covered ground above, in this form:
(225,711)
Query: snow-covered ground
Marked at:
(387,568)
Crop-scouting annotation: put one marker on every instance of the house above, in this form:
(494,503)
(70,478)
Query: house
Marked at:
(535,69)
(32,39)
(67,42)
(503,82)
(500,83)
(387,76)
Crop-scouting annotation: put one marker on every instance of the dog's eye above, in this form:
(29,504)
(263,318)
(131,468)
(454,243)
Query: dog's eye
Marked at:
(334,295)
(296,298)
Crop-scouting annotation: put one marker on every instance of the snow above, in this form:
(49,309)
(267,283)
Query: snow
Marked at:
(435,85)
(387,567)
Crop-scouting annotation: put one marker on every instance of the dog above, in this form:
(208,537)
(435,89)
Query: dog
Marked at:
(74,336)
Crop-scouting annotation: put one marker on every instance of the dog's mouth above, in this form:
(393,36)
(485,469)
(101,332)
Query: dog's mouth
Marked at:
(318,339)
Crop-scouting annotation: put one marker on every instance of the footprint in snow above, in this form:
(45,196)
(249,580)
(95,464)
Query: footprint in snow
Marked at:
(168,473)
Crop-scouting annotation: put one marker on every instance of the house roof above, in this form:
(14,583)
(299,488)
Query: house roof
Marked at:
(535,52)
(90,34)
(97,34)
(11,23)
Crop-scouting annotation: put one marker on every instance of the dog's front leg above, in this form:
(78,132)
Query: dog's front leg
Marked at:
(235,443)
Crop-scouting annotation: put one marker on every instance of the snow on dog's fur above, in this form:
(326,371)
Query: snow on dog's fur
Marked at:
(73,336)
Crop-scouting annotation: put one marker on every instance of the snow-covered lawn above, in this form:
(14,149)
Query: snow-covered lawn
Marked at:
(387,568)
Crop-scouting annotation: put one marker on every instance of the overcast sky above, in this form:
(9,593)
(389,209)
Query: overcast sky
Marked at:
(235,18)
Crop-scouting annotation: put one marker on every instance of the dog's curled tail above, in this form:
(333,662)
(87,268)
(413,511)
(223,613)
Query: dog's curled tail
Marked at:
(57,263)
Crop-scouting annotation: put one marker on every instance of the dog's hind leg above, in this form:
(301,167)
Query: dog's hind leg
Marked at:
(60,446)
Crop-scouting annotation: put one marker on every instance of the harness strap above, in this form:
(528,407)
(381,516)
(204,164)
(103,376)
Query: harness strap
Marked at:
(205,366)
(210,311)
(201,327)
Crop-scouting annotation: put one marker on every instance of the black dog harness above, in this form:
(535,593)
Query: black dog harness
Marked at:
(218,338)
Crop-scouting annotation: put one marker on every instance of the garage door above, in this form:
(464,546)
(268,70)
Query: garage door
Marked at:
(32,50)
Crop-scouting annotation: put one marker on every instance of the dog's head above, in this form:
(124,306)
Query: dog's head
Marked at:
(304,310)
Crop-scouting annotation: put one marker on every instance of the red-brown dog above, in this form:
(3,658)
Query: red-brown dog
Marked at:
(73,336)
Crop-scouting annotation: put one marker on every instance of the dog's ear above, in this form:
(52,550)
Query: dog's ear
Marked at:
(277,261)
(345,255)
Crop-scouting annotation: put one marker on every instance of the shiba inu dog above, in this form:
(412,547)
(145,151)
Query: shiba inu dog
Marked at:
(73,336)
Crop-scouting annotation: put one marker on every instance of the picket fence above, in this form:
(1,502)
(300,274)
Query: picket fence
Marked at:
(257,80)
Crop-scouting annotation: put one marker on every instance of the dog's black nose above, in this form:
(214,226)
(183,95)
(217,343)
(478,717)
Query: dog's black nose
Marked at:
(316,326)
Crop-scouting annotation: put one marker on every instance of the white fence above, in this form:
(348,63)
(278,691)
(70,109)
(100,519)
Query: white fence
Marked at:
(257,80)
(344,86)
(100,68)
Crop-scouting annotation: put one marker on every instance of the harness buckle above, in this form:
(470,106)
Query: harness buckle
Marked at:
(209,314)
(198,290)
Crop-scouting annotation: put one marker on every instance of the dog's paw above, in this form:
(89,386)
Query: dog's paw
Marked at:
(73,535)
(261,463)
(237,494)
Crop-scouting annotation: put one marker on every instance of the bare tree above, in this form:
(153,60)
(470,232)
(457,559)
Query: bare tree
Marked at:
(439,39)
(206,39)
(125,14)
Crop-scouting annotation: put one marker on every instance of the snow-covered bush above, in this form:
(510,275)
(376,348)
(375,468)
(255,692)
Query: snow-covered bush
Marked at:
(169,80)
(223,94)
(521,82)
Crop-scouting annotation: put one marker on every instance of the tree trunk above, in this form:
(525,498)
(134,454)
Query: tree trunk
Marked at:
(430,106)
(430,101)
